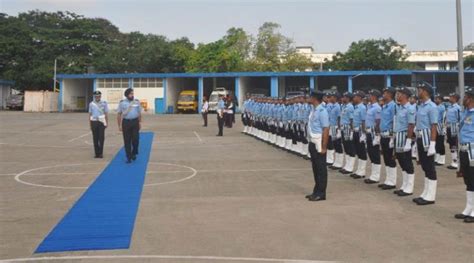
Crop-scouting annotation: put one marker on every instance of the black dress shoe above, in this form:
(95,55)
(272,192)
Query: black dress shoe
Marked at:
(352,175)
(345,172)
(316,198)
(358,176)
(329,164)
(402,193)
(469,219)
(417,199)
(380,185)
(309,196)
(452,167)
(397,191)
(96,156)
(388,187)
(100,156)
(439,164)
(425,202)
(134,157)
(128,161)
(460,216)
(370,181)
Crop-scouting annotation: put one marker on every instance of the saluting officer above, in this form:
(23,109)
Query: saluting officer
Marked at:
(453,118)
(347,113)
(98,119)
(372,129)
(404,127)
(466,154)
(129,119)
(386,141)
(426,132)
(318,125)
(440,157)
(360,112)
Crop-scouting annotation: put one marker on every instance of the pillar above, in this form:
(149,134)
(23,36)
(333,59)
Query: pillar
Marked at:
(200,92)
(60,97)
(274,87)
(165,106)
(349,84)
(388,81)
(237,92)
(311,83)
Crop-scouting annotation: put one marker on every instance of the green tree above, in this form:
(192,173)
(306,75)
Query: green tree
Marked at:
(371,54)
(469,62)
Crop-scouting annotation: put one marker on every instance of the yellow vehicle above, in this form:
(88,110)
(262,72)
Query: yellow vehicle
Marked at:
(187,101)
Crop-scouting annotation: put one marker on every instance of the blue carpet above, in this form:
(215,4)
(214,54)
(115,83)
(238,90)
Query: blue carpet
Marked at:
(104,216)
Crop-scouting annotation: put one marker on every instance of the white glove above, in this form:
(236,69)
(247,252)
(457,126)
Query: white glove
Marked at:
(351,136)
(432,148)
(444,130)
(338,134)
(407,147)
(376,140)
(362,138)
(391,143)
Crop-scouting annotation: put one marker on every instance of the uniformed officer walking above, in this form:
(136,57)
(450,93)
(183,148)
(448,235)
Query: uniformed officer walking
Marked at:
(453,118)
(404,127)
(426,132)
(98,119)
(440,157)
(129,120)
(359,138)
(318,126)
(372,129)
(466,154)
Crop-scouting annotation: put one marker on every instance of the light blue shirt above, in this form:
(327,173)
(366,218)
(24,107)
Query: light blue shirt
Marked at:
(97,109)
(373,114)
(453,113)
(386,116)
(426,115)
(466,132)
(405,115)
(334,114)
(319,119)
(360,111)
(133,112)
(347,113)
(220,104)
(441,110)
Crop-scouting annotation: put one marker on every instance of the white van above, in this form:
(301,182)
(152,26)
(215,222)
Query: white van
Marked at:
(214,98)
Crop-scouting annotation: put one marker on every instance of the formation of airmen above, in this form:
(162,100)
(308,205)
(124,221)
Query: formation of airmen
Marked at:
(378,125)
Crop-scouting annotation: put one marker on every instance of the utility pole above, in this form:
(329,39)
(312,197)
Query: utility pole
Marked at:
(460,50)
(54,79)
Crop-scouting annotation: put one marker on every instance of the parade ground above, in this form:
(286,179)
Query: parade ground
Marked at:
(215,199)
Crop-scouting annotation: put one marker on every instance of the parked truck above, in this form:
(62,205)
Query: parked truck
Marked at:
(187,101)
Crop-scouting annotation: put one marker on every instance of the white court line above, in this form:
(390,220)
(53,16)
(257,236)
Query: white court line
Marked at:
(84,135)
(197,135)
(176,257)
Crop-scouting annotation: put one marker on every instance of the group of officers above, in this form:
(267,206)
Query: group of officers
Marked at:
(334,130)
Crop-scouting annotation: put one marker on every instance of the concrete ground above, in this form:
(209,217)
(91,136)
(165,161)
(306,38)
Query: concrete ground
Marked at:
(216,199)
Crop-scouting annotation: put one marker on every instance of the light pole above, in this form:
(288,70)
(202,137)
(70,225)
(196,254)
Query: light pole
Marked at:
(460,50)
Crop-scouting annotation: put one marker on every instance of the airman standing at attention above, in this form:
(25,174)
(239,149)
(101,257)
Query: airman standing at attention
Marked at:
(372,129)
(440,157)
(347,113)
(453,118)
(360,112)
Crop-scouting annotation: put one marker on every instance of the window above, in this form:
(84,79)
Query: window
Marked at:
(112,83)
(148,83)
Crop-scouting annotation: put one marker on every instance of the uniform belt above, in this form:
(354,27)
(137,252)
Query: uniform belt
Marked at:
(130,119)
(464,147)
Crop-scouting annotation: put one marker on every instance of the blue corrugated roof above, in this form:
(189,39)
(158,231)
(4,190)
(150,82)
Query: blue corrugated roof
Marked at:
(7,82)
(235,74)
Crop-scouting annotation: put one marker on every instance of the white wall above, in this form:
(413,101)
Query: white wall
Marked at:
(73,89)
(113,96)
(431,66)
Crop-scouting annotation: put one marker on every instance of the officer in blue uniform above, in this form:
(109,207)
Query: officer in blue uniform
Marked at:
(347,113)
(129,120)
(360,112)
(404,127)
(440,157)
(372,130)
(98,119)
(335,135)
(453,118)
(318,125)
(386,138)
(426,132)
(220,115)
(466,154)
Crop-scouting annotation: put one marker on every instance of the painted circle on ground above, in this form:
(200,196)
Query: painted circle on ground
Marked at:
(192,173)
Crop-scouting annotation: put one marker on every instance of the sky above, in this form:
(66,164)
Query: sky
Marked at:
(327,25)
